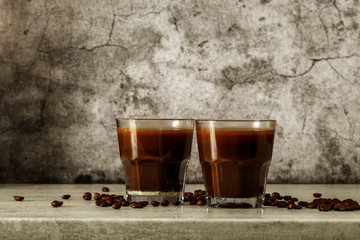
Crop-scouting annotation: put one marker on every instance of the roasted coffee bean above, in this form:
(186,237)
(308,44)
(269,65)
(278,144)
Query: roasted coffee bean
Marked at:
(56,203)
(342,207)
(303,203)
(294,199)
(87,197)
(287,198)
(105,189)
(282,204)
(118,200)
(317,195)
(97,197)
(351,208)
(267,195)
(273,203)
(310,205)
(97,202)
(324,207)
(275,194)
(200,202)
(96,194)
(67,196)
(155,203)
(201,197)
(116,205)
(193,202)
(136,205)
(297,207)
(109,202)
(272,198)
(280,198)
(144,203)
(107,197)
(164,202)
(266,203)
(176,203)
(87,194)
(103,203)
(125,203)
(337,206)
(18,198)
(291,206)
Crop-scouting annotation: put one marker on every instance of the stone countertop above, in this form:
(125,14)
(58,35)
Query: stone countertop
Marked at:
(34,218)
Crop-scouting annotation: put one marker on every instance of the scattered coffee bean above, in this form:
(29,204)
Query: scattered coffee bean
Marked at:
(105,189)
(302,203)
(193,202)
(155,203)
(317,195)
(177,203)
(136,205)
(200,202)
(56,203)
(18,198)
(275,194)
(287,198)
(125,203)
(267,195)
(291,206)
(67,196)
(273,203)
(324,207)
(297,207)
(294,199)
(116,205)
(97,197)
(144,203)
(164,202)
(88,198)
(103,203)
(310,205)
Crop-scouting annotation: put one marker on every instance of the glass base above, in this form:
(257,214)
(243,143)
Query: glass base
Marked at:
(223,202)
(136,196)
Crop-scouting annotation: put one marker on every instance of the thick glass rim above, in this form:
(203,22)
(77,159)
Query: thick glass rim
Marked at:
(235,120)
(156,119)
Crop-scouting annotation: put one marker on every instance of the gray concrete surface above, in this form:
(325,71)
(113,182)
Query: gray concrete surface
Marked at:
(69,68)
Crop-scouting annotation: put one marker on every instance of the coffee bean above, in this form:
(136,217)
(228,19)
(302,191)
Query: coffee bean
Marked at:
(18,198)
(282,204)
(155,203)
(287,197)
(56,203)
(317,195)
(297,206)
(302,203)
(310,205)
(125,203)
(200,202)
(164,202)
(273,203)
(97,202)
(144,203)
(116,205)
(87,197)
(193,202)
(105,189)
(177,203)
(109,202)
(275,194)
(235,205)
(267,195)
(97,197)
(65,196)
(294,199)
(324,207)
(103,203)
(107,197)
(291,206)
(96,194)
(266,203)
(280,198)
(272,198)
(136,205)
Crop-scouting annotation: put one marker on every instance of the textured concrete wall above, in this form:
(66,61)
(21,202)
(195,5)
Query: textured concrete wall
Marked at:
(69,68)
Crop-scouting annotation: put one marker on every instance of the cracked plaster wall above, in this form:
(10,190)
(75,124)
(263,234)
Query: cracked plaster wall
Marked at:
(69,68)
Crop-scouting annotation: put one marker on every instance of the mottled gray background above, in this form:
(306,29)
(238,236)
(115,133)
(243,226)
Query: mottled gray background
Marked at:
(69,68)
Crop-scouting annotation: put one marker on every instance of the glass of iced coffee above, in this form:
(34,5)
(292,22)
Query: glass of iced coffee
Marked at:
(235,156)
(155,154)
